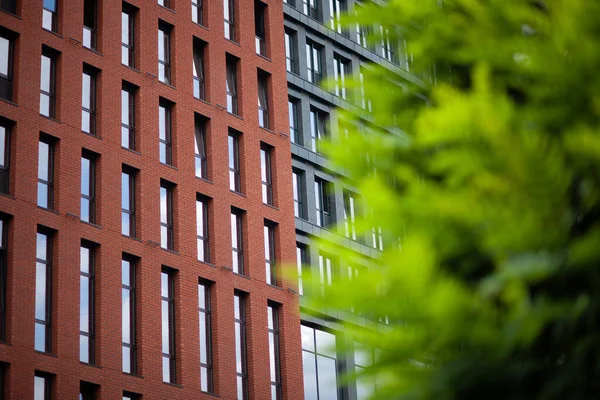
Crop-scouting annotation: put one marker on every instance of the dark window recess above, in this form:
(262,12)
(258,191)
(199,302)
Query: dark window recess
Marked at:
(88,187)
(314,63)
(87,391)
(88,100)
(128,17)
(128,93)
(43,291)
(90,29)
(199,79)
(87,337)
(323,207)
(295,131)
(269,238)
(167,287)
(263,100)
(9,6)
(202,237)
(164,131)
(274,353)
(240,346)
(200,147)
(260,9)
(164,52)
(42,386)
(198,12)
(233,145)
(229,16)
(166,215)
(4,156)
(266,173)
(204,311)
(128,327)
(7,42)
(48,83)
(291,51)
(237,241)
(3,278)
(231,85)
(128,225)
(45,197)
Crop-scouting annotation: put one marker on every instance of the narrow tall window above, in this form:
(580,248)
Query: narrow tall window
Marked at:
(200,147)
(336,9)
(260,10)
(43,294)
(88,101)
(387,45)
(323,203)
(87,303)
(311,8)
(88,187)
(233,144)
(326,271)
(270,268)
(45,197)
(319,364)
(199,81)
(166,215)
(9,6)
(164,132)
(298,184)
(291,52)
(169,368)
(318,131)
(229,16)
(6,66)
(263,100)
(128,116)
(274,363)
(128,316)
(88,391)
(4,157)
(164,53)
(128,35)
(350,215)
(3,276)
(48,84)
(237,242)
(50,15)
(365,99)
(364,357)
(198,12)
(293,112)
(266,173)
(231,86)
(362,31)
(128,226)
(341,71)
(165,3)
(313,62)
(241,369)
(90,28)
(377,238)
(202,242)
(42,386)
(301,260)
(205,328)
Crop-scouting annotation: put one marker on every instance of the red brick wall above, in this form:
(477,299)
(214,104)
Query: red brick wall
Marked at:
(21,205)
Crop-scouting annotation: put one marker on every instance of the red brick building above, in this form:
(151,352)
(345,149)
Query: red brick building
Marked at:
(131,144)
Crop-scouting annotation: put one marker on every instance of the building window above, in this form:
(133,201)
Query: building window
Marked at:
(365,99)
(318,131)
(45,197)
(408,56)
(231,85)
(128,14)
(364,358)
(199,86)
(341,71)
(48,84)
(233,144)
(9,6)
(87,296)
(50,15)
(87,391)
(350,214)
(164,52)
(266,173)
(200,147)
(362,31)
(260,10)
(319,364)
(263,100)
(88,187)
(377,238)
(197,12)
(4,157)
(387,46)
(291,52)
(164,132)
(323,203)
(301,261)
(3,277)
(274,362)
(128,116)
(312,9)
(128,316)
(202,238)
(88,101)
(128,226)
(241,369)
(298,183)
(237,242)
(336,9)
(131,396)
(165,3)
(167,290)
(43,287)
(293,112)
(270,267)
(89,24)
(204,315)
(6,66)
(229,15)
(42,386)
(326,271)
(313,62)
(166,215)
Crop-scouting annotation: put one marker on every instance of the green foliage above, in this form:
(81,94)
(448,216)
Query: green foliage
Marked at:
(493,193)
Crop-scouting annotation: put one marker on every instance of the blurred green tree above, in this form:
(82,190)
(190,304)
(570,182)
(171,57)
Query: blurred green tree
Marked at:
(486,185)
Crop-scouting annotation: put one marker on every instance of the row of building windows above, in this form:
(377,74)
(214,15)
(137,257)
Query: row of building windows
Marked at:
(45,275)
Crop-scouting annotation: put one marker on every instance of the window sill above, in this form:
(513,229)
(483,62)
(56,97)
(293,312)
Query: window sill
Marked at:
(170,10)
(238,193)
(207,264)
(53,119)
(167,84)
(234,115)
(133,375)
(203,27)
(91,224)
(49,210)
(11,14)
(45,353)
(8,195)
(268,130)
(204,180)
(274,286)
(210,394)
(12,103)
(271,206)
(169,165)
(132,237)
(95,51)
(92,135)
(175,252)
(234,42)
(131,150)
(177,385)
(52,32)
(203,101)
(5,343)
(264,57)
(241,276)
(90,365)
(134,69)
